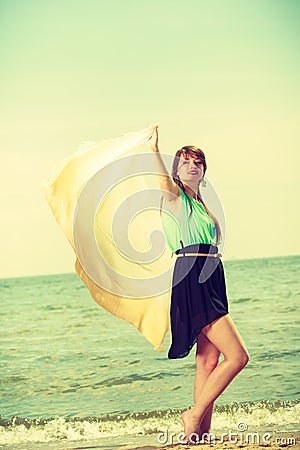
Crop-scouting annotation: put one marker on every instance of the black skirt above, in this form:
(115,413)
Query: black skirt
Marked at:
(198,296)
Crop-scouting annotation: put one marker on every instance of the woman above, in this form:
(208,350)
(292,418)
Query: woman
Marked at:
(199,309)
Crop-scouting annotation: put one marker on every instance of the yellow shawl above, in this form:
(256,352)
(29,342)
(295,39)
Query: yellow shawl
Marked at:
(106,200)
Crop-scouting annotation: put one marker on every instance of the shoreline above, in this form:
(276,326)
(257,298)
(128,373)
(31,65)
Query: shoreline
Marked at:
(276,440)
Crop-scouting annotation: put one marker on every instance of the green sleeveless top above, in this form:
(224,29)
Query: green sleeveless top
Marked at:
(199,228)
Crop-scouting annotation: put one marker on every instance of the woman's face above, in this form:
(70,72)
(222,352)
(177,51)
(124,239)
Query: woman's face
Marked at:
(190,168)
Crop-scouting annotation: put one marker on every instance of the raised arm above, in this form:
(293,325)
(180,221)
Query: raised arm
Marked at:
(170,190)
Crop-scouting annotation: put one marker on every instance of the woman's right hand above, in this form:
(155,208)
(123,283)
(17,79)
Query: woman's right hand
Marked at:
(154,139)
(169,188)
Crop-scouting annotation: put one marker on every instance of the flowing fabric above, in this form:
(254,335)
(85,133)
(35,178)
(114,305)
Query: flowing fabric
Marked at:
(106,200)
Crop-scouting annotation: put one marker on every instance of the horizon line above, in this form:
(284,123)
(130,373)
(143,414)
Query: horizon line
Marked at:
(232,259)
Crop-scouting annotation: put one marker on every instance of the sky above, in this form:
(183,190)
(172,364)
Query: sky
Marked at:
(222,75)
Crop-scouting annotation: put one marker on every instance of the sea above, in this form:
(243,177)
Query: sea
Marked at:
(74,376)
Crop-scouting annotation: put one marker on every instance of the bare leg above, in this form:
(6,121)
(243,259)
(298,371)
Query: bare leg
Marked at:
(224,336)
(207,357)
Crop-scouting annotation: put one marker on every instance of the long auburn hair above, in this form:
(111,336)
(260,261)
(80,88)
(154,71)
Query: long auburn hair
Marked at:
(195,152)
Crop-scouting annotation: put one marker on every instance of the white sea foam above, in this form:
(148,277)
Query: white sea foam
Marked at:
(267,416)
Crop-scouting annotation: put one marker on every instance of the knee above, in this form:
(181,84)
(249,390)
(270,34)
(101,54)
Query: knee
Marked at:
(241,360)
(245,358)
(207,362)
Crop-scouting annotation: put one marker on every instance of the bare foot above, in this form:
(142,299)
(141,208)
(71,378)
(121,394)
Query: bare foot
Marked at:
(191,426)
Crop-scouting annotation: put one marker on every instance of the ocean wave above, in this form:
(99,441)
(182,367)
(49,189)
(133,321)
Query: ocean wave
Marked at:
(264,415)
